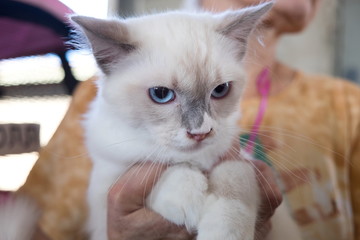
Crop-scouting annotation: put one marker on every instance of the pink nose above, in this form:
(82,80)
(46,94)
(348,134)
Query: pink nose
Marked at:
(198,136)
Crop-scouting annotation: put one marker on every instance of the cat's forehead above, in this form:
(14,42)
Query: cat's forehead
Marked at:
(181,36)
(183,31)
(196,77)
(185,44)
(184,52)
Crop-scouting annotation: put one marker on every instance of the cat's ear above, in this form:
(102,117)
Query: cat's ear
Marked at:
(108,39)
(238,25)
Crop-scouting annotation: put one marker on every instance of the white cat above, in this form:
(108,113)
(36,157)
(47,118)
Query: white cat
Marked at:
(170,93)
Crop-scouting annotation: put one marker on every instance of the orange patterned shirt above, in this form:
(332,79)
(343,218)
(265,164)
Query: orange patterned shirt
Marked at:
(311,135)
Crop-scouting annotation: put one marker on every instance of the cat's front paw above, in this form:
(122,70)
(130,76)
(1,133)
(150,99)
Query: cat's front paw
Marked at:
(226,219)
(179,196)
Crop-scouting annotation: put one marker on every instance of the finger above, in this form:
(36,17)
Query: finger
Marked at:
(127,216)
(262,230)
(270,193)
(39,235)
(146,224)
(129,192)
(156,227)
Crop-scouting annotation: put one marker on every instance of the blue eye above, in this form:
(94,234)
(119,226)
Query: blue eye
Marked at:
(161,94)
(221,91)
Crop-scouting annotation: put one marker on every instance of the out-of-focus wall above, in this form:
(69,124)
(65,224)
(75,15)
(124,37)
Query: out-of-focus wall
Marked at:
(348,57)
(144,5)
(131,7)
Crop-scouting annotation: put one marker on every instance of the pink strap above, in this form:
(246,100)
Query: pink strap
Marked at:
(263,84)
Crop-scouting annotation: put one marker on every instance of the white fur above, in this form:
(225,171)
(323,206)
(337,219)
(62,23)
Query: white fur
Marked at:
(183,52)
(216,207)
(180,195)
(18,218)
(122,146)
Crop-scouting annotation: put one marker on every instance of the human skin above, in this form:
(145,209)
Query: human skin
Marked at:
(39,235)
(129,219)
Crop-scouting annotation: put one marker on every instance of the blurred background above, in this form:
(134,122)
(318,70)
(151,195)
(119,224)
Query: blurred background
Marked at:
(37,77)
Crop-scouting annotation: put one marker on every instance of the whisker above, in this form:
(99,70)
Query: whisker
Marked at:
(280,161)
(84,153)
(294,135)
(138,165)
(259,173)
(233,151)
(157,171)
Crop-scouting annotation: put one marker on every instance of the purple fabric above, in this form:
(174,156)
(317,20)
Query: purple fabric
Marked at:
(20,38)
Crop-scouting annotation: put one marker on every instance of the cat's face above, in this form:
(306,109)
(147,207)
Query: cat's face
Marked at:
(184,103)
(177,76)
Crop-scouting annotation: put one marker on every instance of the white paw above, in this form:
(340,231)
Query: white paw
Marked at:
(228,219)
(179,196)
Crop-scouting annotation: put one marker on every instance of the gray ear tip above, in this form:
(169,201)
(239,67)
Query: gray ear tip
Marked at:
(271,2)
(268,4)
(74,18)
(78,19)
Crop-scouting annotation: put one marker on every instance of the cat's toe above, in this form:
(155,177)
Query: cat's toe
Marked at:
(179,196)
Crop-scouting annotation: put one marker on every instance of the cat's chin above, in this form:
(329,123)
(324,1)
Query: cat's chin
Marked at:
(194,147)
(191,148)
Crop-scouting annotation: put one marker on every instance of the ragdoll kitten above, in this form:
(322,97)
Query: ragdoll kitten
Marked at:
(170,93)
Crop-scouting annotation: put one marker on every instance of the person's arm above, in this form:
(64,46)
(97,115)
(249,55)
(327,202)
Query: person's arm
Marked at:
(129,219)
(348,105)
(355,184)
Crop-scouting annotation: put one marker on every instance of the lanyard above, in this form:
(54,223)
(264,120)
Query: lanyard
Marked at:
(263,84)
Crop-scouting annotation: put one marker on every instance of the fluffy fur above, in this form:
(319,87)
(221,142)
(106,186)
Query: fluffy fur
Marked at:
(191,54)
(18,218)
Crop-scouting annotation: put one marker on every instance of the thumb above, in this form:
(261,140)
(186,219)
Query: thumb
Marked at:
(129,192)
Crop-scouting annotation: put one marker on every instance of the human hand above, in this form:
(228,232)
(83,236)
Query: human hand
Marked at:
(128,218)
(270,196)
(39,235)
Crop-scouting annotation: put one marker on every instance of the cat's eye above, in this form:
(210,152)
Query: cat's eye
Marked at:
(221,91)
(161,94)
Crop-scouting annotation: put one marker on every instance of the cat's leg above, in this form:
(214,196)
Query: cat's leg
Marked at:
(231,208)
(102,177)
(179,195)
